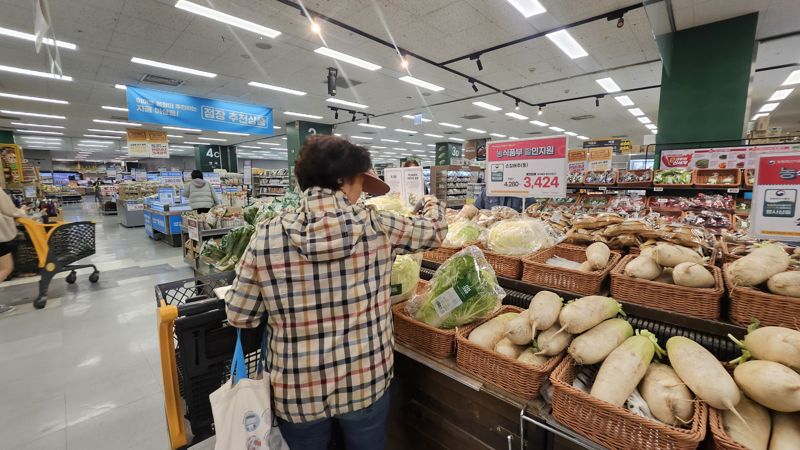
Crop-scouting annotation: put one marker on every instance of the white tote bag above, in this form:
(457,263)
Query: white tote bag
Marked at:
(242,409)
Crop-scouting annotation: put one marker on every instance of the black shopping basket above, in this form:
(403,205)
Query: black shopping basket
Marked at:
(57,247)
(196,345)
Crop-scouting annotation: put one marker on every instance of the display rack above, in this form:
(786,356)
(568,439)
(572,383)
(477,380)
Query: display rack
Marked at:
(273,183)
(449,183)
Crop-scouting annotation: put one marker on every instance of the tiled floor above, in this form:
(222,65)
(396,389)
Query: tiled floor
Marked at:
(84,372)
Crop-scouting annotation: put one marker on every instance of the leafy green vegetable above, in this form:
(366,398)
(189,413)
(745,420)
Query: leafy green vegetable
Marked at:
(461,233)
(234,244)
(212,250)
(405,276)
(517,237)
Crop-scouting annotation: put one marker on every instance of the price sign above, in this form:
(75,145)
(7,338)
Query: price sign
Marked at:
(775,213)
(658,189)
(406,181)
(527,168)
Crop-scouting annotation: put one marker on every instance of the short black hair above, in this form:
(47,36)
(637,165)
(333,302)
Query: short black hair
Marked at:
(411,163)
(197,174)
(327,161)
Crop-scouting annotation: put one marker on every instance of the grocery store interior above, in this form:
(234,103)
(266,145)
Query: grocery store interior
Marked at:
(620,182)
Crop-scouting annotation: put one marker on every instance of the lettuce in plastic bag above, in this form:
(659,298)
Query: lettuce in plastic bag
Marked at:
(516,237)
(405,276)
(390,202)
(463,289)
(461,233)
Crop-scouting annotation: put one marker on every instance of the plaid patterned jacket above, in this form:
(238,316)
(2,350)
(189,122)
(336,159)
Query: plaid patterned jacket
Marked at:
(320,277)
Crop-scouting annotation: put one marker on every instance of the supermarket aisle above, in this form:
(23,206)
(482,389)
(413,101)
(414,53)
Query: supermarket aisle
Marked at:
(84,372)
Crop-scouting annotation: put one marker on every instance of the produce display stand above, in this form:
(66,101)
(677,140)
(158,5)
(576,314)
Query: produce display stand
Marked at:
(192,240)
(131,213)
(164,222)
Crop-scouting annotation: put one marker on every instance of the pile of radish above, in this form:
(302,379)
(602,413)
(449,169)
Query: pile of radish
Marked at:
(767,263)
(671,264)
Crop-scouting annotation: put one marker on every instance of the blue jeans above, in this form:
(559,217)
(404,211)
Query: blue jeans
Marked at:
(362,429)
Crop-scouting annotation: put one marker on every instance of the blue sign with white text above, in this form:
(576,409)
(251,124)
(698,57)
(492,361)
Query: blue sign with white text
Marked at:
(173,109)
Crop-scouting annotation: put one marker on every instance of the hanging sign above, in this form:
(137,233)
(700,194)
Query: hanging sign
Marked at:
(147,143)
(743,157)
(248,172)
(576,158)
(406,181)
(527,168)
(600,159)
(171,108)
(775,213)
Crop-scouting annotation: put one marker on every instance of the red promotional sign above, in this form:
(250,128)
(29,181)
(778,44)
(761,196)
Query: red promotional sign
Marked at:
(779,170)
(527,168)
(544,148)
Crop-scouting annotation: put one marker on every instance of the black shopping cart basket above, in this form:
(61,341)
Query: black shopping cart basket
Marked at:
(57,246)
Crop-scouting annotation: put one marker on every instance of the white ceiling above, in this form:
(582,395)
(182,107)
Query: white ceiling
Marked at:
(109,32)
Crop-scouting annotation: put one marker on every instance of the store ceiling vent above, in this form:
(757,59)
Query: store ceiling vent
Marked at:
(451,132)
(583,117)
(473,117)
(344,83)
(157,79)
(534,132)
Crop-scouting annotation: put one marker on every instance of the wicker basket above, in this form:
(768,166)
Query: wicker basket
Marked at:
(696,302)
(701,177)
(719,439)
(635,184)
(770,309)
(689,184)
(420,336)
(499,370)
(440,254)
(537,272)
(504,266)
(615,427)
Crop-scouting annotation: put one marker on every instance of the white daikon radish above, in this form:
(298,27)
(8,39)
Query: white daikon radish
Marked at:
(785,283)
(529,356)
(543,311)
(597,254)
(594,345)
(586,266)
(702,373)
(666,276)
(643,267)
(552,342)
(752,430)
(777,344)
(488,334)
(584,313)
(694,275)
(770,384)
(518,330)
(669,255)
(624,368)
(785,431)
(757,267)
(508,348)
(669,400)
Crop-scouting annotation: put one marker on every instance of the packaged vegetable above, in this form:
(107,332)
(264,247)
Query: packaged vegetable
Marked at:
(405,276)
(462,232)
(520,236)
(390,202)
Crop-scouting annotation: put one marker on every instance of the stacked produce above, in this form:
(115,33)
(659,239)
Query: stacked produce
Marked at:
(405,277)
(672,177)
(766,263)
(671,264)
(600,178)
(634,176)
(226,252)
(519,236)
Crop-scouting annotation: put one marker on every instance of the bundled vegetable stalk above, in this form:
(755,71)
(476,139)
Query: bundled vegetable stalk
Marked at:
(234,244)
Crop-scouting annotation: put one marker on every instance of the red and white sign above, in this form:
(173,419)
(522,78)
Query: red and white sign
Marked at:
(719,158)
(775,213)
(527,168)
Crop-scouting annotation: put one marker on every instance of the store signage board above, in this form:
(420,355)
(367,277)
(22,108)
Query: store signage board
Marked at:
(248,172)
(166,195)
(527,168)
(600,159)
(775,213)
(408,182)
(213,178)
(147,143)
(576,158)
(743,157)
(171,108)
(171,177)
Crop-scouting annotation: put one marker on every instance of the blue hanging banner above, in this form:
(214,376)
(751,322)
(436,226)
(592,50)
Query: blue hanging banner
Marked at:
(173,109)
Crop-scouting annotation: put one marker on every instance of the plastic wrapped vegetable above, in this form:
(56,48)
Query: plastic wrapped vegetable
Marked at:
(522,236)
(405,276)
(461,233)
(463,289)
(250,214)
(390,202)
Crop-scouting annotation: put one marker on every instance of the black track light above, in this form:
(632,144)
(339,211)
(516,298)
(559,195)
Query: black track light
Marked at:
(621,22)
(516,104)
(353,119)
(474,87)
(541,109)
(477,59)
(336,114)
(367,119)
(597,102)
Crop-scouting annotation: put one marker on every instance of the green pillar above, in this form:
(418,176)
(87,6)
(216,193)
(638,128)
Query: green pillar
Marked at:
(210,157)
(705,81)
(296,134)
(6,137)
(446,152)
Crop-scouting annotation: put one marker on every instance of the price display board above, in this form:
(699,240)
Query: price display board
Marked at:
(775,213)
(527,168)
(406,181)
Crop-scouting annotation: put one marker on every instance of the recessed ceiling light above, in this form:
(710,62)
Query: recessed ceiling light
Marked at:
(276,127)
(570,133)
(488,106)
(438,136)
(39,132)
(371,125)
(756,116)
(176,136)
(528,8)
(92,145)
(273,144)
(608,84)
(37,125)
(101,130)
(643,119)
(414,118)
(780,94)
(431,145)
(297,114)
(516,116)
(650,126)
(161,65)
(449,125)
(117,122)
(377,146)
(401,130)
(23,113)
(347,58)
(121,86)
(513,138)
(413,143)
(768,107)
(389,140)
(456,139)
(346,103)
(421,83)
(115,108)
(497,135)
(366,138)
(248,146)
(654,131)
(636,111)
(624,100)
(211,139)
(227,18)
(559,129)
(539,123)
(90,141)
(475,130)
(276,88)
(583,138)
(793,78)
(196,143)
(283,138)
(34,99)
(233,133)
(567,44)
(101,136)
(32,38)
(399,148)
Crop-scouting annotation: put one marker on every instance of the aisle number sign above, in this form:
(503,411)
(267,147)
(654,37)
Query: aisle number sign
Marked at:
(775,213)
(408,182)
(527,168)
(147,143)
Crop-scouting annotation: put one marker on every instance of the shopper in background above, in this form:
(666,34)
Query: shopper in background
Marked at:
(200,193)
(319,277)
(8,232)
(411,163)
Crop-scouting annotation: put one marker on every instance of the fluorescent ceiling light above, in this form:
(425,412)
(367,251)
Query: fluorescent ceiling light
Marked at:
(768,107)
(421,83)
(115,108)
(37,138)
(34,99)
(636,112)
(399,148)
(497,135)
(39,132)
(567,44)
(101,130)
(32,38)
(488,106)
(101,136)
(756,116)
(121,86)
(37,125)
(389,140)
(366,138)
(227,18)
(283,138)
(233,133)
(608,84)
(557,129)
(117,122)
(624,100)
(149,62)
(475,130)
(347,58)
(196,143)
(780,94)
(276,88)
(377,146)
(528,8)
(421,119)
(176,136)
(438,136)
(654,131)
(346,103)
(89,141)
(539,123)
(297,114)
(190,147)
(196,130)
(92,145)
(449,125)
(456,139)
(643,119)
(23,113)
(275,127)
(248,146)
(793,78)
(401,130)
(273,144)
(211,139)
(371,125)
(570,133)
(516,116)
(650,126)
(583,138)
(413,143)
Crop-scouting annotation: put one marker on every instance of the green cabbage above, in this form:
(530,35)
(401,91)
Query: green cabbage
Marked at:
(516,237)
(461,233)
(390,202)
(405,276)
(468,277)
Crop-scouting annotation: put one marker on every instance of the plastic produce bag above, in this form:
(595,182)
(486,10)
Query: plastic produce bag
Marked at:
(463,289)
(520,236)
(405,276)
(390,202)
(462,232)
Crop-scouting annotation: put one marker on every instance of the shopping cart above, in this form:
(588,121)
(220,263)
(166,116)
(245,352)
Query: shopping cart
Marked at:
(57,246)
